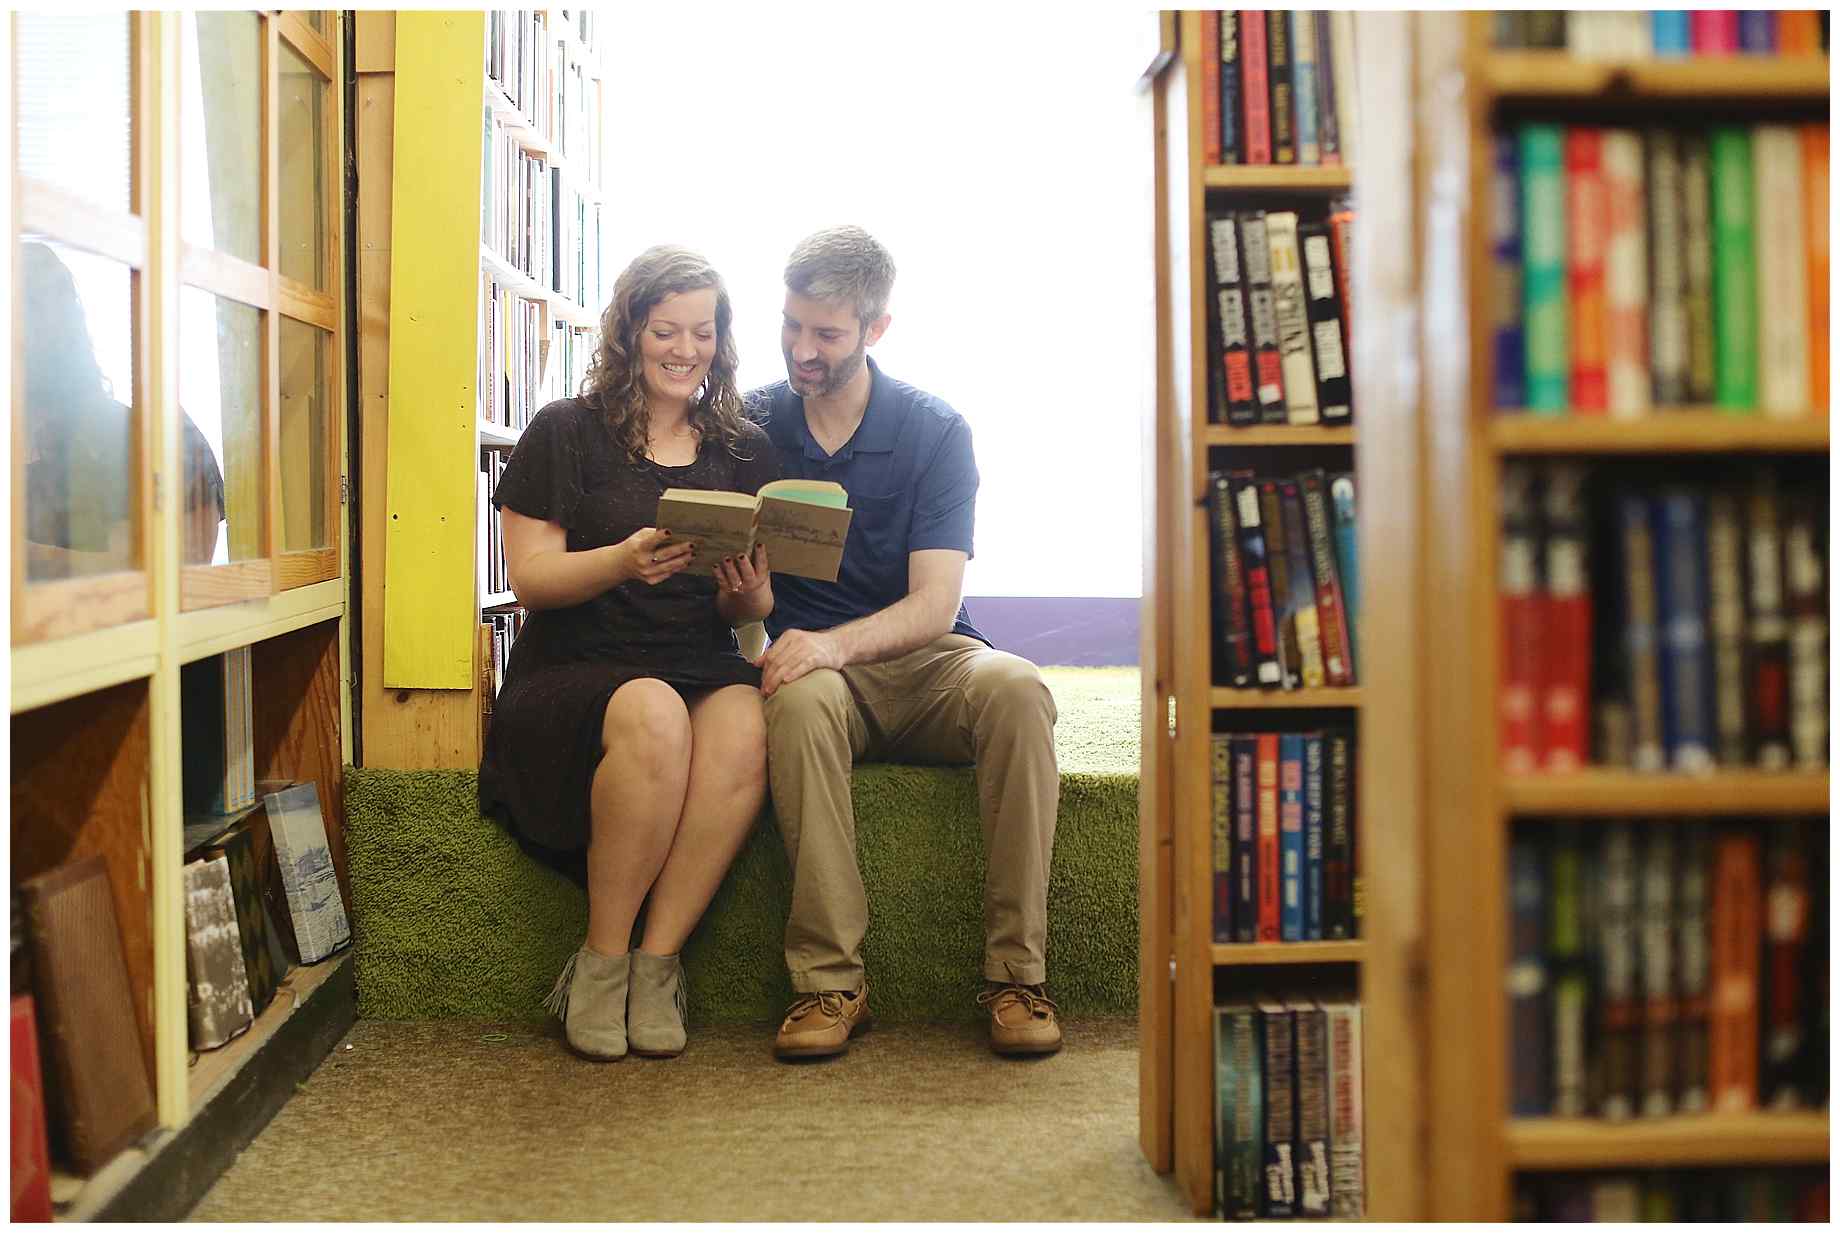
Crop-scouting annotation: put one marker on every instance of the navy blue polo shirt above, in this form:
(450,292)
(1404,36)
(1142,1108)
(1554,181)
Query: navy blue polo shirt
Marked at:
(912,481)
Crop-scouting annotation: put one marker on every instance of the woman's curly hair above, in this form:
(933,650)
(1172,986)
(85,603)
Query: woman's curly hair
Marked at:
(614,384)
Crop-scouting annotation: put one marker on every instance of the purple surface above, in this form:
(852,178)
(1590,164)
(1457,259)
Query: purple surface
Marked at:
(1060,631)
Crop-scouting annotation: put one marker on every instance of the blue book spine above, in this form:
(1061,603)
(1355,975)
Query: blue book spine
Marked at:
(1757,31)
(1313,837)
(1686,668)
(1348,564)
(1303,85)
(1290,837)
(1505,251)
(1672,32)
(1232,140)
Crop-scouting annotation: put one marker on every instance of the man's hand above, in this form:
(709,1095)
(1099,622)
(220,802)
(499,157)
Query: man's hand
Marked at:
(793,654)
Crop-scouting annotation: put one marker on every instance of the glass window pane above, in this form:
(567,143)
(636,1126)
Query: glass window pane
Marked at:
(303,170)
(74,85)
(77,337)
(220,391)
(304,521)
(317,19)
(220,145)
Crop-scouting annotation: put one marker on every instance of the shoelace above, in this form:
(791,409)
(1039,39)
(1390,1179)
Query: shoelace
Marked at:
(830,1001)
(1033,1002)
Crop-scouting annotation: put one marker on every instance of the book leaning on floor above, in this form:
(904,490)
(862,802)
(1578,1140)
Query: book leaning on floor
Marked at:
(802,523)
(314,903)
(217,991)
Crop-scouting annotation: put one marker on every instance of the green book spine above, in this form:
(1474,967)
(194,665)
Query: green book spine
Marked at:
(1543,274)
(1734,270)
(1242,1112)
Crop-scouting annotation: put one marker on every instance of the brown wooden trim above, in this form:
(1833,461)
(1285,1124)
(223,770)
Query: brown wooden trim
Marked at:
(71,606)
(304,39)
(315,308)
(299,569)
(212,586)
(232,278)
(47,210)
(376,51)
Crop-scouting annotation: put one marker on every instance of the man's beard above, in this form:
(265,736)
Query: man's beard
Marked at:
(835,377)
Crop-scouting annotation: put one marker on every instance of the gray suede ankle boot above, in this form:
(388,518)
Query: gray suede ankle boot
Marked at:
(655,1018)
(590,999)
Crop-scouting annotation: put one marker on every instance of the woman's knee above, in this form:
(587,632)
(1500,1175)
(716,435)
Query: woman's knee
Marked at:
(647,721)
(731,739)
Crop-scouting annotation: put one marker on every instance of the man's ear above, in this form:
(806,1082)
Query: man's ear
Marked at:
(877,328)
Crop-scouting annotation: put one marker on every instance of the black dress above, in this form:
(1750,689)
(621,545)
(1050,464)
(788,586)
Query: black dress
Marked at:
(545,739)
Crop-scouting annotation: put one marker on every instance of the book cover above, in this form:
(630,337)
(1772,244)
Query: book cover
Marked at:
(1312,1097)
(1757,31)
(1545,316)
(31,1149)
(1290,838)
(1734,269)
(313,898)
(1641,631)
(1619,1003)
(1625,274)
(1587,233)
(1242,1142)
(1508,352)
(1670,32)
(1343,68)
(1283,598)
(1814,185)
(1798,32)
(1786,928)
(1521,628)
(1267,864)
(1277,1036)
(1686,667)
(217,992)
(1766,625)
(1328,118)
(1715,31)
(1303,86)
(1303,587)
(1568,973)
(1260,608)
(1696,225)
(1210,87)
(1347,1112)
(1232,624)
(1331,620)
(1313,788)
(1804,572)
(1232,135)
(1245,838)
(1292,317)
(1659,923)
(1564,673)
(1341,236)
(1530,1061)
(1693,945)
(1339,835)
(96,1082)
(1283,100)
(1737,940)
(247,849)
(1267,361)
(1725,612)
(1334,388)
(1255,85)
(803,524)
(1220,766)
(1667,273)
(1235,343)
(1348,564)
(1782,276)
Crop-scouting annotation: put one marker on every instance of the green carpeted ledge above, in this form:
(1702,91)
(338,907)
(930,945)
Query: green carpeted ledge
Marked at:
(453,920)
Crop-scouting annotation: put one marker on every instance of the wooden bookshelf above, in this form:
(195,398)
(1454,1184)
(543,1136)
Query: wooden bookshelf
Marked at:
(1446,461)
(1183,706)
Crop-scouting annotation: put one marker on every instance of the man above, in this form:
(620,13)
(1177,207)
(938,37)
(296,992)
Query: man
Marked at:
(885,664)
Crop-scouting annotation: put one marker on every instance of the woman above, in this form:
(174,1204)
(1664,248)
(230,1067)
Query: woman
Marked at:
(629,724)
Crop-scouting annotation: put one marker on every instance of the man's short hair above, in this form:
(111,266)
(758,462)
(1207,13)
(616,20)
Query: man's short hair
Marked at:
(843,264)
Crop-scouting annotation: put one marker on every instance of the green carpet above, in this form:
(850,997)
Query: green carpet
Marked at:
(453,920)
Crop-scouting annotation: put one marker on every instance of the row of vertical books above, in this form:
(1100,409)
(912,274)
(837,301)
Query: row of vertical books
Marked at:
(547,72)
(1278,310)
(494,574)
(1288,1109)
(518,205)
(1278,87)
(1284,837)
(1285,581)
(511,385)
(1661,267)
(1664,32)
(1668,967)
(1681,613)
(497,631)
(1698,1196)
(571,350)
(217,747)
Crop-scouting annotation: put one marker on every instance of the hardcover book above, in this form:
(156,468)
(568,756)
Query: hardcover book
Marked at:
(1257,91)
(1293,318)
(1313,837)
(1509,354)
(1564,673)
(1619,1003)
(1303,81)
(1805,573)
(248,850)
(1530,1060)
(1260,605)
(1686,667)
(1334,389)
(1283,98)
(1667,271)
(1347,1114)
(1283,597)
(1232,134)
(1348,565)
(1312,1096)
(1782,277)
(31,1149)
(1786,927)
(1235,344)
(1521,627)
(1587,234)
(1267,360)
(1642,631)
(1290,839)
(802,523)
(1766,626)
(1303,591)
(314,901)
(217,993)
(1233,636)
(1268,858)
(1543,240)
(1659,924)
(1221,766)
(1625,275)
(1570,978)
(1734,270)
(1338,842)
(1737,941)
(1696,220)
(1239,1134)
(1694,943)
(1277,1034)
(1725,610)
(1245,838)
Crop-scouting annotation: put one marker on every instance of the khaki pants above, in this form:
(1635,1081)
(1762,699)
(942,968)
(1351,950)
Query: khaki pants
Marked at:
(952,701)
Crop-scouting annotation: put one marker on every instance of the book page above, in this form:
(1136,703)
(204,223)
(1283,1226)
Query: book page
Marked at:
(718,528)
(803,539)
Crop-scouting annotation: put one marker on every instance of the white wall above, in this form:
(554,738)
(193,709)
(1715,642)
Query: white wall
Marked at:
(1003,158)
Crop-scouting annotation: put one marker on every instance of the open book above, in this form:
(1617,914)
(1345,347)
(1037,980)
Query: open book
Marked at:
(802,523)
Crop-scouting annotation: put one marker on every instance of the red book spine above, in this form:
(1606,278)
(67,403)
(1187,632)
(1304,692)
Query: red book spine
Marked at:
(1715,31)
(1814,211)
(1267,863)
(1341,238)
(1737,940)
(1786,913)
(1210,87)
(1587,228)
(31,1153)
(1256,88)
(1565,626)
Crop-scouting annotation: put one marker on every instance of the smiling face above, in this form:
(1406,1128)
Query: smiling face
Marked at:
(824,343)
(676,346)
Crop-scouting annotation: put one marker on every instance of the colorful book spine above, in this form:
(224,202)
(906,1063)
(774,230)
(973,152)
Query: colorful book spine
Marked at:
(1686,668)
(1671,32)
(1667,287)
(1242,1143)
(1267,359)
(1245,838)
(1283,93)
(1293,319)
(1659,923)
(1312,1028)
(1232,134)
(1234,342)
(31,1154)
(1737,942)
(1563,678)
(1786,930)
(1290,839)
(1625,275)
(1277,1033)
(1798,32)
(1338,838)
(1220,767)
(1347,1113)
(1766,626)
(1545,316)
(1232,623)
(1782,277)
(1313,788)
(1814,184)
(1348,565)
(1725,613)
(1696,219)
(1506,299)
(1757,31)
(1268,858)
(1715,31)
(1303,86)
(1303,587)
(1334,388)
(1257,569)
(1210,88)
(1256,85)
(1331,620)
(1587,228)
(1530,1059)
(1734,269)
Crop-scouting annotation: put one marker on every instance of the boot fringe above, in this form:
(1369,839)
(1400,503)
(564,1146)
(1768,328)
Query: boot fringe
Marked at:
(557,1003)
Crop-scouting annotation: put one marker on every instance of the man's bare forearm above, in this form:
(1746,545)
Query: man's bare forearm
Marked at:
(904,626)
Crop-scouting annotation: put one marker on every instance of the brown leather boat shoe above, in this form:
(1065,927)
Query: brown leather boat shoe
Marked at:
(820,1024)
(1022,1019)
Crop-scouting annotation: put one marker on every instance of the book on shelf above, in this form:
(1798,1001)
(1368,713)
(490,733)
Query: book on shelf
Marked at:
(1244,753)
(1529,1060)
(31,1169)
(1300,871)
(218,753)
(1312,1097)
(1239,1110)
(802,524)
(315,904)
(1292,317)
(1686,1195)
(1229,617)
(1662,33)
(1255,560)
(1314,786)
(1255,85)
(1735,928)
(1266,866)
(1220,766)
(1658,925)
(1347,1111)
(217,984)
(1290,837)
(249,851)
(1298,616)
(1278,1066)
(1283,596)
(1278,86)
(98,1089)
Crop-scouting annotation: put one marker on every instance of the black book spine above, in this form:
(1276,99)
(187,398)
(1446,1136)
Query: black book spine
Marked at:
(1257,568)
(1338,847)
(1328,125)
(1221,769)
(1245,752)
(1283,601)
(1262,308)
(1278,1037)
(1232,626)
(1334,390)
(1278,70)
(1312,1112)
(1237,398)
(1232,138)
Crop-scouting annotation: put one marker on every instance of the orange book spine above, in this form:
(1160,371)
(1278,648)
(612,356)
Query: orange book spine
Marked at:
(1814,216)
(1798,32)
(1737,942)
